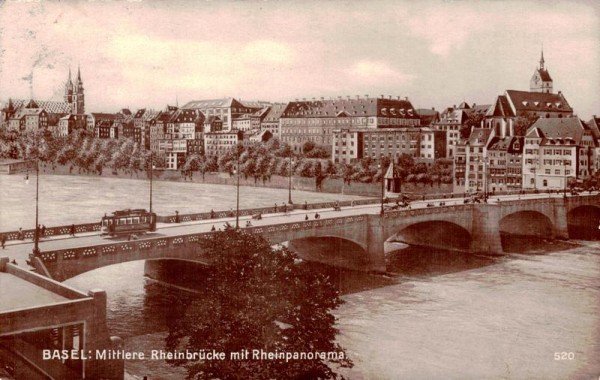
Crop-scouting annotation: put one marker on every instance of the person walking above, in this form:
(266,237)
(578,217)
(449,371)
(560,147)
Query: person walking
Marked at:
(3,240)
(43,230)
(20,234)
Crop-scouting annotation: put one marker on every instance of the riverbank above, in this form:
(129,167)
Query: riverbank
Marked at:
(329,185)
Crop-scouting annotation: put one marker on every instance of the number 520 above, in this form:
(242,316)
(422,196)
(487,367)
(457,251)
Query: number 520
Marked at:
(564,355)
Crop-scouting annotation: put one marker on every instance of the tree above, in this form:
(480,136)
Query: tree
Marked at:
(523,123)
(258,301)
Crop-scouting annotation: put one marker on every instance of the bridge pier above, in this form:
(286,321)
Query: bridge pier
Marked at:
(485,229)
(376,237)
(560,222)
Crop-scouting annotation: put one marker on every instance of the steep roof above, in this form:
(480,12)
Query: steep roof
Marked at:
(560,130)
(501,108)
(274,112)
(525,101)
(479,136)
(47,105)
(544,75)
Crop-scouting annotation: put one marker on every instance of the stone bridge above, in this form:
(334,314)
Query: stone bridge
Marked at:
(357,241)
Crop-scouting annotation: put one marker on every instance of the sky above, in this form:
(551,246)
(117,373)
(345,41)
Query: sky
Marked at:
(146,53)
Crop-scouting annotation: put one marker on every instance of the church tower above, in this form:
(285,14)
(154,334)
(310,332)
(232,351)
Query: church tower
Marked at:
(78,107)
(69,89)
(541,80)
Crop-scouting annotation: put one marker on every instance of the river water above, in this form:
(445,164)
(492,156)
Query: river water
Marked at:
(436,315)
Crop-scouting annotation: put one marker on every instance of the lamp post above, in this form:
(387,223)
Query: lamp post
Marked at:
(237,193)
(151,175)
(565,162)
(382,187)
(36,234)
(485,179)
(290,179)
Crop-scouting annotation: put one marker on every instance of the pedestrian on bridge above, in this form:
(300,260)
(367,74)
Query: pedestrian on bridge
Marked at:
(20,235)
(43,230)
(3,240)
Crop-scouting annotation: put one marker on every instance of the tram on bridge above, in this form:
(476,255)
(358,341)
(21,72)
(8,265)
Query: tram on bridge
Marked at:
(128,222)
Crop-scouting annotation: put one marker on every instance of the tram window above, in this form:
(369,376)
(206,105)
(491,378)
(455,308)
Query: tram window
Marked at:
(136,220)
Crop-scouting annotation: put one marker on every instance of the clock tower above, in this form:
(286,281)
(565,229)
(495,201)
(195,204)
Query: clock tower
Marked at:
(541,80)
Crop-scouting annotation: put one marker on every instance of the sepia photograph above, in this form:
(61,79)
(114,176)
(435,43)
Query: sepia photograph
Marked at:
(299,190)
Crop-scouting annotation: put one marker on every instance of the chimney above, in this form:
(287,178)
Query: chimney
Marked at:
(406,98)
(382,96)
(303,99)
(397,97)
(473,105)
(322,98)
(366,96)
(390,97)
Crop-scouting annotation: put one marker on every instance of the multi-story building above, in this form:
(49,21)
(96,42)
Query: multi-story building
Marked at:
(471,161)
(218,143)
(270,122)
(454,119)
(504,164)
(558,151)
(316,121)
(29,118)
(226,109)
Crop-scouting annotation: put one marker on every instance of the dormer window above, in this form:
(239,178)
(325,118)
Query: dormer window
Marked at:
(525,103)
(536,103)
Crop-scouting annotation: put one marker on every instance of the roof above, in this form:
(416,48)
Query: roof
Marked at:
(562,131)
(17,293)
(104,116)
(274,112)
(209,103)
(526,101)
(479,136)
(351,107)
(501,108)
(47,105)
(544,75)
(183,116)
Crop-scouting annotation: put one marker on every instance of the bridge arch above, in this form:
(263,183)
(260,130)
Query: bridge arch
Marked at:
(436,234)
(331,250)
(527,223)
(584,222)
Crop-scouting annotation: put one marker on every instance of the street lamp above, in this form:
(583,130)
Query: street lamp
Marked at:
(380,166)
(290,179)
(485,178)
(151,175)
(36,236)
(237,205)
(565,162)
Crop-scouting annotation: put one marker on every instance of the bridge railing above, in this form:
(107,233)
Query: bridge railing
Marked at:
(175,242)
(94,227)
(51,231)
(268,210)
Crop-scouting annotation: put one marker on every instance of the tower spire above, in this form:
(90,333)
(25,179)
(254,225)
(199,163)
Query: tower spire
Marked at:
(542,59)
(78,74)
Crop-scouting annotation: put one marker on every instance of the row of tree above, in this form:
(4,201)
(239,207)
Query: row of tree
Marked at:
(260,161)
